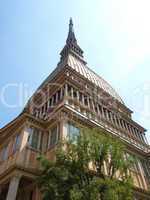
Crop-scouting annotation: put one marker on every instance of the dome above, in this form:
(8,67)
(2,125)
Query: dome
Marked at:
(85,71)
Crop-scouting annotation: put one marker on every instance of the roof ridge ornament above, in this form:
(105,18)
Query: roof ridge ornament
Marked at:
(71,46)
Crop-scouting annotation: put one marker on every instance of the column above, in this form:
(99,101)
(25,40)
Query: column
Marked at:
(48,104)
(61,93)
(72,92)
(66,93)
(82,99)
(40,140)
(40,113)
(36,115)
(112,118)
(77,92)
(93,106)
(13,188)
(92,110)
(103,114)
(107,115)
(120,126)
(88,102)
(78,99)
(137,133)
(124,125)
(117,121)
(141,136)
(83,103)
(66,90)
(44,108)
(56,97)
(72,97)
(131,132)
(128,131)
(52,101)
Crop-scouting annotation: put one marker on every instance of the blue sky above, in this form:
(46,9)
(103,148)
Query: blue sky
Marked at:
(114,35)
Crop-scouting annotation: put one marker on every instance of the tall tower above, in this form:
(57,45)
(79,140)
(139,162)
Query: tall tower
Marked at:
(72,94)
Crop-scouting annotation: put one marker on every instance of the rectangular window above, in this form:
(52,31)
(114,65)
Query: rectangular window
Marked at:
(34,138)
(4,153)
(146,168)
(136,173)
(17,143)
(73,131)
(54,136)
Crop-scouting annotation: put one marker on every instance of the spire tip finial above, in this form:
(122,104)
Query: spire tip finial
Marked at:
(71,24)
(71,21)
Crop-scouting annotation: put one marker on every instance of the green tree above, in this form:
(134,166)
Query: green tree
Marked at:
(94,166)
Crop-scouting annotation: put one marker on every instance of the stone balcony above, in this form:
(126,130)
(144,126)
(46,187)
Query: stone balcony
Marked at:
(25,159)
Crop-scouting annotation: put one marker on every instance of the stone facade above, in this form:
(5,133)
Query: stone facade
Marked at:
(72,94)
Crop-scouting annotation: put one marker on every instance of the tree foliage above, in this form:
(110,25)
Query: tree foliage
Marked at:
(94,166)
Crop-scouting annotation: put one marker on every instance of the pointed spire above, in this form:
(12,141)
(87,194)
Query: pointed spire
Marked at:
(71,44)
(71,35)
